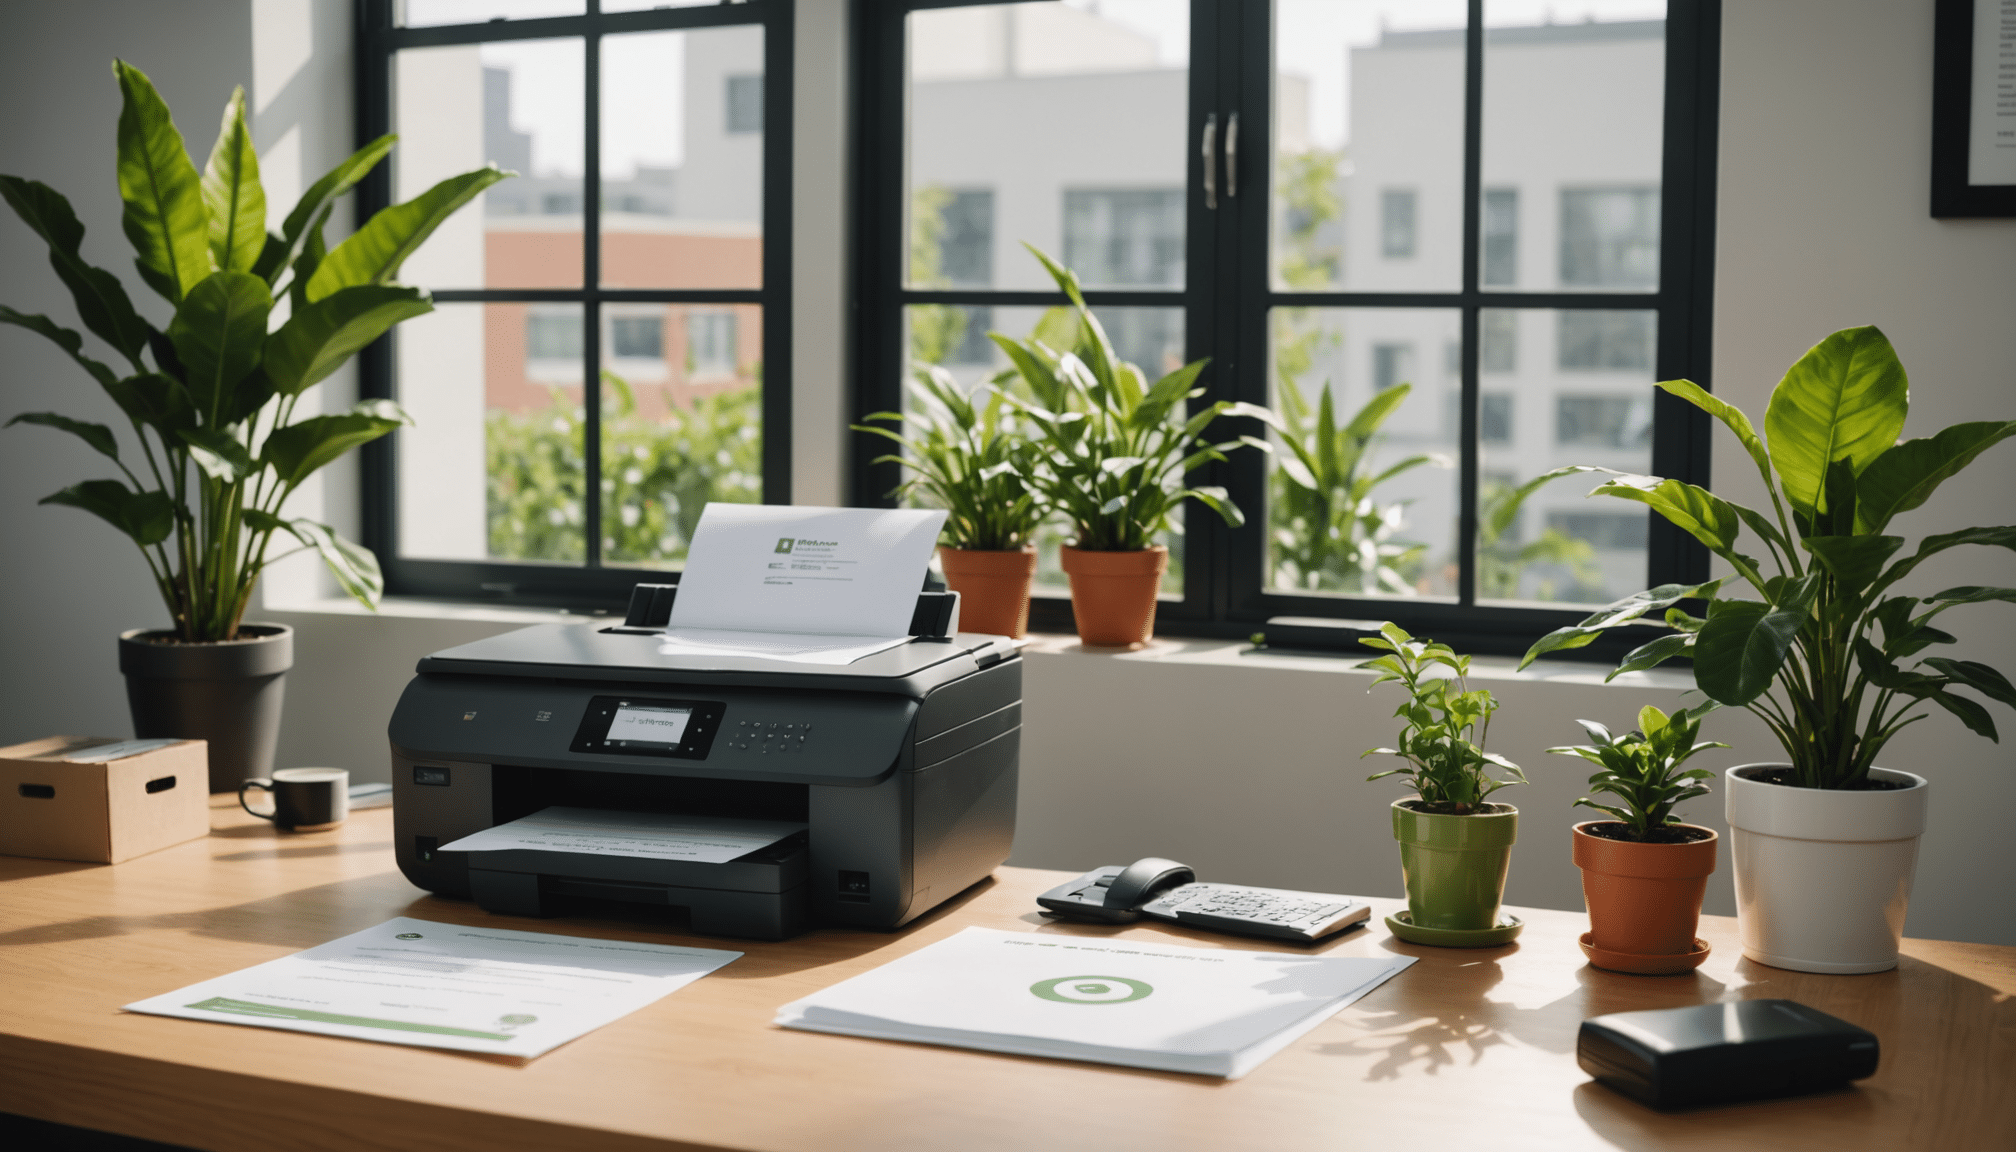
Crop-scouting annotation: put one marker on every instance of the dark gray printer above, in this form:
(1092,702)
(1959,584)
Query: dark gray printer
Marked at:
(903,764)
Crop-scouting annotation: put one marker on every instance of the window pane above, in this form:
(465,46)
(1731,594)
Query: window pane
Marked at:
(1574,104)
(1059,125)
(682,159)
(1329,529)
(517,104)
(492,468)
(1368,145)
(682,424)
(954,337)
(1578,391)
(422,13)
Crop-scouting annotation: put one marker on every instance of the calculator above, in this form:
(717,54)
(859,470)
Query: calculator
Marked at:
(1165,890)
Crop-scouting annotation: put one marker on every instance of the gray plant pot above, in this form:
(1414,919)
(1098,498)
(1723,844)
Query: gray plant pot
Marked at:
(228,693)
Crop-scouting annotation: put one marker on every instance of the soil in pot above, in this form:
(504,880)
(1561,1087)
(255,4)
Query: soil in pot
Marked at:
(1644,897)
(1113,594)
(993,588)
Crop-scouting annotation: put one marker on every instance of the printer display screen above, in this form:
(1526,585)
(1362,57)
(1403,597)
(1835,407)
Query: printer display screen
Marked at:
(648,724)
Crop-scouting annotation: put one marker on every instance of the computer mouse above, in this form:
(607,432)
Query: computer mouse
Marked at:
(1140,881)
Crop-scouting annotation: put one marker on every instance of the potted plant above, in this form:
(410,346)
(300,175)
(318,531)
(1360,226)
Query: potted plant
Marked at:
(1115,453)
(211,400)
(966,456)
(1643,871)
(1455,844)
(1827,651)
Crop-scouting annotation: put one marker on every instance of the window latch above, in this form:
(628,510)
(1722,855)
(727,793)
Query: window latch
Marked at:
(1210,150)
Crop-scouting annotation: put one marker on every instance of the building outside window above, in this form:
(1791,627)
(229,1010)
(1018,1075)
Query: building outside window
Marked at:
(1613,341)
(1603,421)
(1610,237)
(611,324)
(1501,238)
(1397,237)
(1392,364)
(1131,237)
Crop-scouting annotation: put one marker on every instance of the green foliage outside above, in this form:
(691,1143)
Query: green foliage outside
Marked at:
(1502,562)
(656,477)
(935,329)
(1446,724)
(212,416)
(1642,769)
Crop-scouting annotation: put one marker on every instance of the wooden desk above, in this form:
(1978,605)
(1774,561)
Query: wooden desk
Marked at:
(1470,1049)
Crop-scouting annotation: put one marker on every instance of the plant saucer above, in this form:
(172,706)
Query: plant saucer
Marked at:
(1678,964)
(1507,929)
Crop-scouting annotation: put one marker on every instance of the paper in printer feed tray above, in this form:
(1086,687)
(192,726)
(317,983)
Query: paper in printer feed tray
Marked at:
(1217,1012)
(641,835)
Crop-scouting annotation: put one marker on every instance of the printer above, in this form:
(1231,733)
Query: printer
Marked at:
(902,765)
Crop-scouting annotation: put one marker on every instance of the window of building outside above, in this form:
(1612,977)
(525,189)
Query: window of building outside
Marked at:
(1433,193)
(608,350)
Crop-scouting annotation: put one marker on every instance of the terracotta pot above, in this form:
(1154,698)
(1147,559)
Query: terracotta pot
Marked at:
(1644,899)
(1113,594)
(993,588)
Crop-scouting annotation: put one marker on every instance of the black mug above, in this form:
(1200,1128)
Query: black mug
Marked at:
(304,799)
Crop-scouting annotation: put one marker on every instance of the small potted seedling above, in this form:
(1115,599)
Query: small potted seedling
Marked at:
(1643,871)
(1455,844)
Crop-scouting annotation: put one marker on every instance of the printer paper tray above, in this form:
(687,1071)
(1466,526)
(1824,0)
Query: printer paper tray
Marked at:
(774,869)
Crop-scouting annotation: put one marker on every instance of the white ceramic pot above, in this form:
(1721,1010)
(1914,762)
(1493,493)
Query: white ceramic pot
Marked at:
(1823,877)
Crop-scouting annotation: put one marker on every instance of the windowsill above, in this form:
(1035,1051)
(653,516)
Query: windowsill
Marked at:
(417,608)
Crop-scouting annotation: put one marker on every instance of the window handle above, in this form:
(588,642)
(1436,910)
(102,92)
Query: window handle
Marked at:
(1232,155)
(1210,150)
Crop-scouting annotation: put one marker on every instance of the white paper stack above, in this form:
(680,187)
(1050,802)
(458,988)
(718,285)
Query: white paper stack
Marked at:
(645,835)
(1217,1012)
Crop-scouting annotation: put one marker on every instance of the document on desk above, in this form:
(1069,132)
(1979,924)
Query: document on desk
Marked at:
(800,584)
(1219,1012)
(644,835)
(445,986)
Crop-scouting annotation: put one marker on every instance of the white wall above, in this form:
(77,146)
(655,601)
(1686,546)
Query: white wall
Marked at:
(1244,767)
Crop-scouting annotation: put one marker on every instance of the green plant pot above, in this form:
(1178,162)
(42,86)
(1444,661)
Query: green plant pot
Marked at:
(1455,865)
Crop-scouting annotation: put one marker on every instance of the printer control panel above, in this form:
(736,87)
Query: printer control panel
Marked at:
(779,737)
(643,726)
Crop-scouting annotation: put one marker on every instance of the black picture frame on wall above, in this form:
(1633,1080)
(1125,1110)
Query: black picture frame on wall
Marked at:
(1953,106)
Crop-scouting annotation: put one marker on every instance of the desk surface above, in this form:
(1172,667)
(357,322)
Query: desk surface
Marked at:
(1466,1045)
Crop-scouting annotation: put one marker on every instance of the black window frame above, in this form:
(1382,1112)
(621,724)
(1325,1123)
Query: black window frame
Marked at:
(1228,292)
(588,585)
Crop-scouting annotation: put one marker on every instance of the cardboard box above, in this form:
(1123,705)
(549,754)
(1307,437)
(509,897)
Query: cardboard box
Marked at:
(100,799)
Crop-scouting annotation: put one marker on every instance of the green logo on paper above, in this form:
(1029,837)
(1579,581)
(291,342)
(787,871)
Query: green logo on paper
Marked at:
(407,936)
(516,1019)
(786,543)
(1091,989)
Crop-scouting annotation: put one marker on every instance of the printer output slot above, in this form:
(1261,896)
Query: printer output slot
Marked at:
(518,791)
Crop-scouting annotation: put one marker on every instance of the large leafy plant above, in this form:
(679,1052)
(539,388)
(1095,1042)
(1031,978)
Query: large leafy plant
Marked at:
(1328,531)
(211,400)
(1643,769)
(1447,724)
(1115,451)
(1826,652)
(965,455)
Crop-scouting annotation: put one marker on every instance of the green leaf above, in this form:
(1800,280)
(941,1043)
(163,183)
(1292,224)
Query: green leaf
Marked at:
(219,454)
(1696,511)
(1845,399)
(1219,501)
(97,435)
(373,254)
(1973,715)
(2003,536)
(1731,417)
(1610,616)
(231,192)
(101,300)
(280,251)
(63,337)
(298,450)
(320,338)
(1653,654)
(218,332)
(1971,594)
(1854,561)
(147,517)
(1977,676)
(153,399)
(1739,651)
(353,565)
(165,216)
(1905,476)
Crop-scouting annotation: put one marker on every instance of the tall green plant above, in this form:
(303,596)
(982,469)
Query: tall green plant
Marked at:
(1329,533)
(1446,724)
(211,400)
(965,455)
(1643,769)
(1115,451)
(1824,654)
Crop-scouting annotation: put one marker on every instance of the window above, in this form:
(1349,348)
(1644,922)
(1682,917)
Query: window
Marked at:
(1396,224)
(1446,194)
(609,346)
(968,255)
(1501,237)
(745,104)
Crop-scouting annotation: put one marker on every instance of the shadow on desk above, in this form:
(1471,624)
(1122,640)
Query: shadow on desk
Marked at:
(27,1135)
